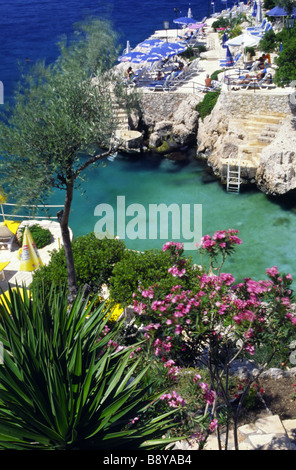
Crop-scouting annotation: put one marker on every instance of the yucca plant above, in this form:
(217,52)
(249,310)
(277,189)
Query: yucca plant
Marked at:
(63,386)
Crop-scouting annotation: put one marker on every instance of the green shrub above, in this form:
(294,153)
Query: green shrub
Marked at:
(188,54)
(146,269)
(221,23)
(94,260)
(201,48)
(206,106)
(41,236)
(251,51)
(215,74)
(286,62)
(138,268)
(269,42)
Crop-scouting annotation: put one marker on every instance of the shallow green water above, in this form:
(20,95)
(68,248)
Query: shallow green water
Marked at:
(267,226)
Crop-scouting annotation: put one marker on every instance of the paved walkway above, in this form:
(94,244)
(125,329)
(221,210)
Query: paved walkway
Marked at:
(267,433)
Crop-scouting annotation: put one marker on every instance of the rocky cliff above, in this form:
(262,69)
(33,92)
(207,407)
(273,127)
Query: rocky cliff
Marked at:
(276,173)
(257,130)
(169,117)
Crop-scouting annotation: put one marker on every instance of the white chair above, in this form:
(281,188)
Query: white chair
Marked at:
(6,238)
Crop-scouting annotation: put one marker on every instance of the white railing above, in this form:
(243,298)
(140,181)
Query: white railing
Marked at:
(43,206)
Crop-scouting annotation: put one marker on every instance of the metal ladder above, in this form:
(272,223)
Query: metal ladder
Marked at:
(234,177)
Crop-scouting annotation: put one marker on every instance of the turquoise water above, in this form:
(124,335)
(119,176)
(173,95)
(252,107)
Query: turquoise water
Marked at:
(267,225)
(31,29)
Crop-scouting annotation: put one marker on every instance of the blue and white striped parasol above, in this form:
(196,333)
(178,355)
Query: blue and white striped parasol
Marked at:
(226,61)
(185,20)
(133,56)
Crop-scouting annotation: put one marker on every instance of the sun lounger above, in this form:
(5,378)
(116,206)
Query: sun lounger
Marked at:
(261,32)
(258,28)
(8,231)
(6,238)
(265,83)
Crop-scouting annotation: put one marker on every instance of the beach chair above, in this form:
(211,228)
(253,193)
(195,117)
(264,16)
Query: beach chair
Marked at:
(265,83)
(193,68)
(160,85)
(8,230)
(260,33)
(177,80)
(258,28)
(6,238)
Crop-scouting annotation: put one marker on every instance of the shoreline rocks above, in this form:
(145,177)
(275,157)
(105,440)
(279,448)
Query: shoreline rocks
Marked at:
(169,118)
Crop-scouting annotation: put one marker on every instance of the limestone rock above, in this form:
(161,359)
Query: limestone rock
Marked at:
(277,170)
(171,117)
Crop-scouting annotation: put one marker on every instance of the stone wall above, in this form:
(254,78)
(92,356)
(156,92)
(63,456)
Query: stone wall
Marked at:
(238,104)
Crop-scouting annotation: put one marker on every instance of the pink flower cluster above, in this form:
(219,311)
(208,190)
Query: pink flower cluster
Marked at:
(162,347)
(173,399)
(207,394)
(175,271)
(176,246)
(221,240)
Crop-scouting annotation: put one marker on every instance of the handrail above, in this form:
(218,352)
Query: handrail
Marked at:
(31,205)
(44,206)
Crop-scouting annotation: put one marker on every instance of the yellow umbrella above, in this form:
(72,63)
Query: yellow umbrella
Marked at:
(5,297)
(2,200)
(30,259)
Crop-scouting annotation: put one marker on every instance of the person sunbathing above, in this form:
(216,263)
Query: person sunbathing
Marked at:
(208,82)
(246,79)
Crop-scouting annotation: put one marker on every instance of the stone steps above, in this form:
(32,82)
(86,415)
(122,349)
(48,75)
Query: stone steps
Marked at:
(259,131)
(267,433)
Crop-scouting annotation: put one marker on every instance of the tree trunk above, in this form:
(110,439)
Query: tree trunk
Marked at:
(63,218)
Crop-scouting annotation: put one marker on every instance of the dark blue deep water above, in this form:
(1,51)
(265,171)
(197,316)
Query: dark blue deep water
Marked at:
(29,30)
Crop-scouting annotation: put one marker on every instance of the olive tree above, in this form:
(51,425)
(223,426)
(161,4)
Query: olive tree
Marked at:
(61,121)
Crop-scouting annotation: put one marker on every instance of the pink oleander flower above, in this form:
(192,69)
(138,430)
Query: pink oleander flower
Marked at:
(152,326)
(175,271)
(196,378)
(285,301)
(173,399)
(248,334)
(148,293)
(139,307)
(178,330)
(168,245)
(292,318)
(227,279)
(134,420)
(208,395)
(220,234)
(250,348)
(213,425)
(207,243)
(272,271)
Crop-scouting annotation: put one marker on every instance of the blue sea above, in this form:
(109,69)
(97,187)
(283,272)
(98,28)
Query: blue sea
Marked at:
(30,30)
